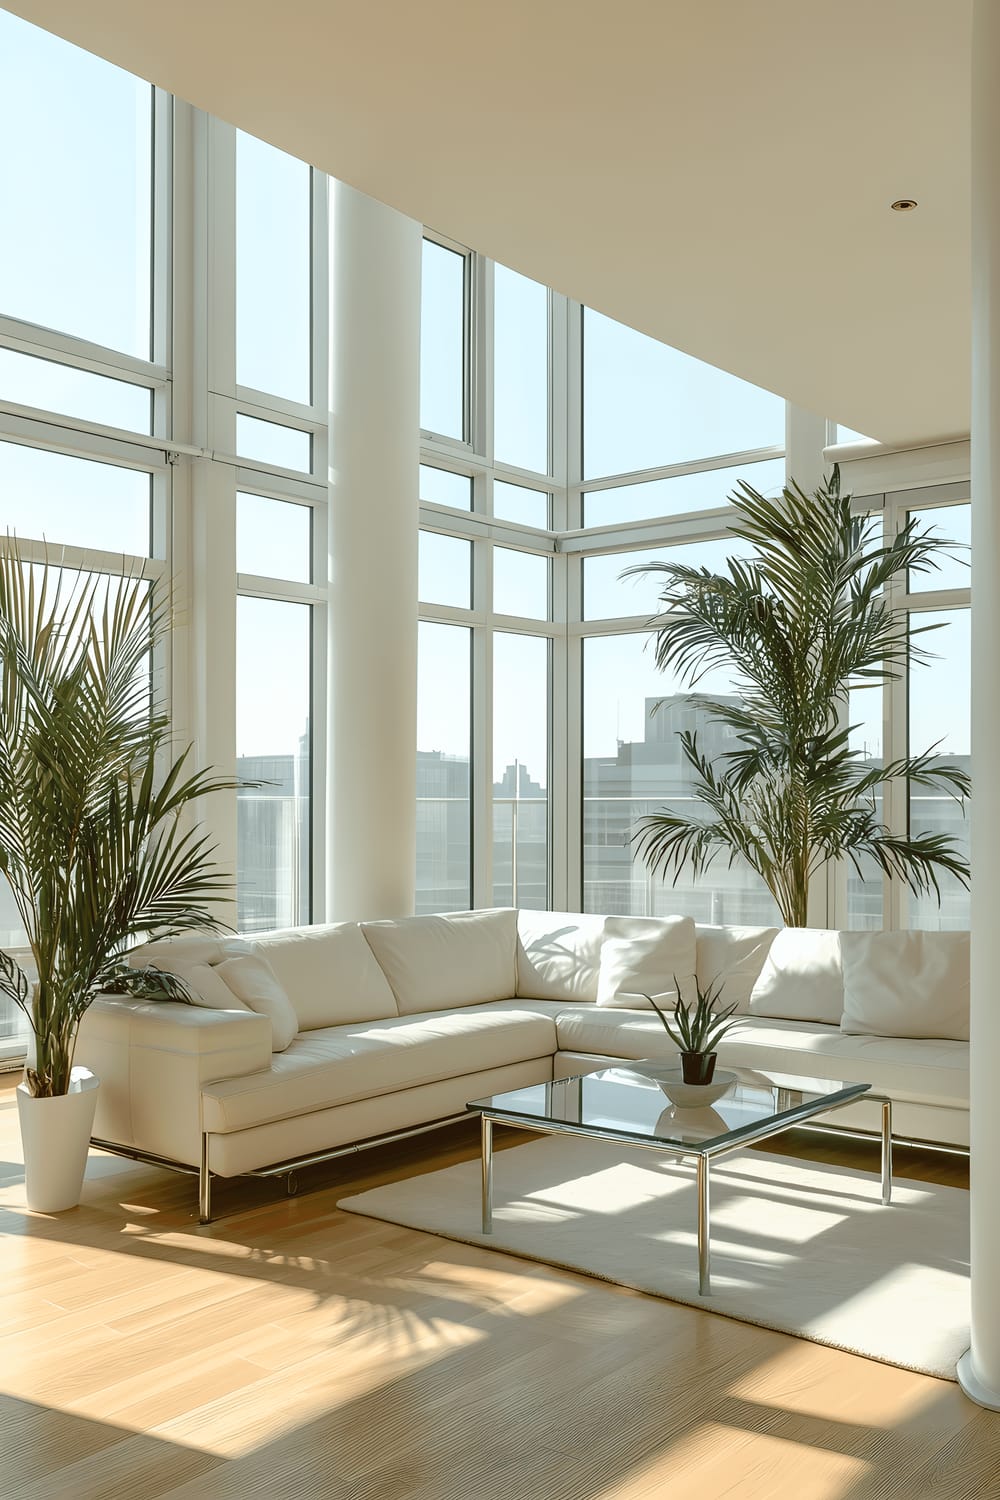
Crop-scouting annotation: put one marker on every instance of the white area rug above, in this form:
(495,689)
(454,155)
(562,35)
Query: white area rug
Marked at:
(803,1248)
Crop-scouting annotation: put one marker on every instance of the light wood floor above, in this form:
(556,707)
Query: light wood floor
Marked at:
(295,1352)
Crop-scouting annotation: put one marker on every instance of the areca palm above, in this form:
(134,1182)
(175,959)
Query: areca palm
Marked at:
(796,624)
(94,842)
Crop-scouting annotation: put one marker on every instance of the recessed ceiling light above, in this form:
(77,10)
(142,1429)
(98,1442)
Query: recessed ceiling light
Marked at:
(903,205)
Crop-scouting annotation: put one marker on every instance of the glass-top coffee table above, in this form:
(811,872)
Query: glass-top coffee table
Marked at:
(624,1104)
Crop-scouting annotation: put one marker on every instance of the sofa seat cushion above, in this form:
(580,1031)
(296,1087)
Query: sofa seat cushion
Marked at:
(906,984)
(643,956)
(441,962)
(341,1064)
(801,979)
(558,955)
(735,955)
(328,973)
(931,1072)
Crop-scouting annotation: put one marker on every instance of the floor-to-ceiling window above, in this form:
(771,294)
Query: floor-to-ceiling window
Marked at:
(485,585)
(84,382)
(163,412)
(665,439)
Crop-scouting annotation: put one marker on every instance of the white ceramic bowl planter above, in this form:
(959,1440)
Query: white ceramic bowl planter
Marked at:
(55,1133)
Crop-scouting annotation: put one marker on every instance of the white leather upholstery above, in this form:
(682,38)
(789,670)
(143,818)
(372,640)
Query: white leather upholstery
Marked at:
(558,955)
(735,955)
(343,1064)
(328,973)
(154,1058)
(906,984)
(801,979)
(324,1129)
(447,961)
(643,956)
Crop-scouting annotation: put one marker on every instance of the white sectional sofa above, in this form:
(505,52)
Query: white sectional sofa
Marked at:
(304,1043)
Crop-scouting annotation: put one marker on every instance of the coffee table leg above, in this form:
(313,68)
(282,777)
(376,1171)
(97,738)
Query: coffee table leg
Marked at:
(704,1246)
(886,1150)
(487,1129)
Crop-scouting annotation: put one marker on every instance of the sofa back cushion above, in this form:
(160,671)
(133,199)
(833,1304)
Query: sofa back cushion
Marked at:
(328,973)
(558,955)
(801,979)
(442,962)
(641,956)
(255,984)
(735,955)
(906,984)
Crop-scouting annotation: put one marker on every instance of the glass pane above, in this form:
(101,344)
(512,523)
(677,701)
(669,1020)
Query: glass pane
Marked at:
(441,487)
(520,771)
(848,435)
(445,570)
(273,538)
(520,584)
(646,405)
(273,270)
(513,502)
(77,190)
(444,748)
(271,443)
(521,366)
(940,715)
(75,393)
(442,342)
(273,693)
(53,497)
(632,766)
(865,891)
(707,490)
(953,522)
(607,596)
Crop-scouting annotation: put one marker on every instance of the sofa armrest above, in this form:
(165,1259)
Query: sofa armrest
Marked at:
(154,1057)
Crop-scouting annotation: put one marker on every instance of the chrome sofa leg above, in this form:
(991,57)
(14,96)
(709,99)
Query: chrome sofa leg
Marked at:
(204,1184)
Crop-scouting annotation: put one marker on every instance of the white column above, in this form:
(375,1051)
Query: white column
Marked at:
(374,456)
(805,439)
(979,1368)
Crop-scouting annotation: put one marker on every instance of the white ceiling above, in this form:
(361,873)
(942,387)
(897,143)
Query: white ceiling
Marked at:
(716,173)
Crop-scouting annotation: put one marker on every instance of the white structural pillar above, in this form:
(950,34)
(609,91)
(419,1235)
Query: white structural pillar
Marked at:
(979,1368)
(374,457)
(805,439)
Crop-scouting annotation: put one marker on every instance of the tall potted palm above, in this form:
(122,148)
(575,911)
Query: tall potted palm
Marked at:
(94,842)
(796,624)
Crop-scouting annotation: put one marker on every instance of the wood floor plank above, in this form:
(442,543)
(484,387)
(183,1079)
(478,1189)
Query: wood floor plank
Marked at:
(290,1350)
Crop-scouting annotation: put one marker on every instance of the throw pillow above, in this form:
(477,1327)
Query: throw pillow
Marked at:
(801,979)
(252,980)
(735,955)
(640,956)
(906,984)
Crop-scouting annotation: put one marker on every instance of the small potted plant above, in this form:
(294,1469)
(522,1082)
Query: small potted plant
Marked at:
(698,1029)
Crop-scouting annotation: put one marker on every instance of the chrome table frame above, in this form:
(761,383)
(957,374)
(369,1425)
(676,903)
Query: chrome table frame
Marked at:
(749,1137)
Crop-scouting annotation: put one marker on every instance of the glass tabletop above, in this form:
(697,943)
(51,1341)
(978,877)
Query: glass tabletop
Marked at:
(625,1102)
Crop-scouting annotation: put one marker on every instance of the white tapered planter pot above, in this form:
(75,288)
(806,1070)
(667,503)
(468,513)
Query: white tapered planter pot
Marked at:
(55,1134)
